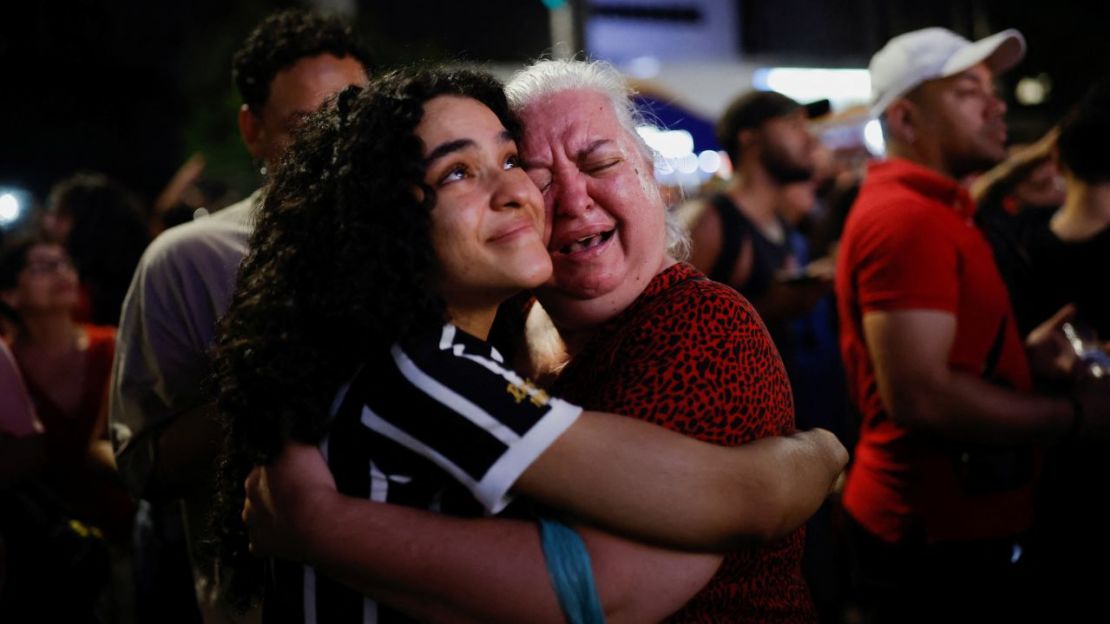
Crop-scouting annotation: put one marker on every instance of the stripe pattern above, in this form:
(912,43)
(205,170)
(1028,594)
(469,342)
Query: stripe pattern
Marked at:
(437,423)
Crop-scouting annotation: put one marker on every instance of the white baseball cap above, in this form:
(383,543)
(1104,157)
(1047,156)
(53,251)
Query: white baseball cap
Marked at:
(916,57)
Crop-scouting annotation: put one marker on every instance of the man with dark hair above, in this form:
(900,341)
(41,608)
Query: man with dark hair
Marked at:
(165,436)
(316,51)
(940,496)
(740,237)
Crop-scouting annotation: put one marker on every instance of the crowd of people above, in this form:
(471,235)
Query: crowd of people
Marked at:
(457,359)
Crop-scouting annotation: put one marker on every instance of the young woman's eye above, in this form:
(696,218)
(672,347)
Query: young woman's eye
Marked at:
(512,162)
(454,174)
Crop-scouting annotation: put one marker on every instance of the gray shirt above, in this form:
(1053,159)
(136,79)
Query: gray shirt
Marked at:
(182,286)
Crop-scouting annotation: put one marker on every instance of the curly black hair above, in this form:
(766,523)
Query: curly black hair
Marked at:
(341,264)
(284,38)
(1085,135)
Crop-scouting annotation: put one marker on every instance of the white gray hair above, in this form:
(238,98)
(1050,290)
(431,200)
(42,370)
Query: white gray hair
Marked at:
(543,79)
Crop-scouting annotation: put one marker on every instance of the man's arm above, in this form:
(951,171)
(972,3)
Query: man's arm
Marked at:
(187,450)
(447,569)
(910,350)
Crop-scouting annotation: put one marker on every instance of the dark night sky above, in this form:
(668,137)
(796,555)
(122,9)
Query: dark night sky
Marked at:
(131,87)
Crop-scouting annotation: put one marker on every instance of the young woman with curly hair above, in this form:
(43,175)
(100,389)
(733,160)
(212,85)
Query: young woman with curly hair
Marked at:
(394,228)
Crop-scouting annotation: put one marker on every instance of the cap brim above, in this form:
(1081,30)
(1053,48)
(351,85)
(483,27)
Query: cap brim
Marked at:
(1000,51)
(818,108)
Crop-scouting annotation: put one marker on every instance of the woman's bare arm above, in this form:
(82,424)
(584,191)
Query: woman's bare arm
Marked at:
(656,485)
(440,568)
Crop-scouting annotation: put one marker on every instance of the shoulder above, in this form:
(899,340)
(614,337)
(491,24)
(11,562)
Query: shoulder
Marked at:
(446,343)
(448,357)
(693,212)
(897,222)
(100,334)
(701,302)
(196,260)
(224,235)
(704,223)
(701,320)
(892,205)
(703,357)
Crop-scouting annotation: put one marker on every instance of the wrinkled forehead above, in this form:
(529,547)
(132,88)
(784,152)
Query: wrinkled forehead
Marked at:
(567,122)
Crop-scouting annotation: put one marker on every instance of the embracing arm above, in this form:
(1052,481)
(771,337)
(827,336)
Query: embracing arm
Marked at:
(705,235)
(910,350)
(699,496)
(447,569)
(443,568)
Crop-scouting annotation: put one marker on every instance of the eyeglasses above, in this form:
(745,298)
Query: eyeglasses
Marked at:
(43,267)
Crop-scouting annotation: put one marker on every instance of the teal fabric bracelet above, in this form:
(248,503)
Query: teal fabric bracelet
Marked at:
(568,564)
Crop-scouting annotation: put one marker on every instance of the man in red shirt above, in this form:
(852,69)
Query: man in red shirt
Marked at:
(939,497)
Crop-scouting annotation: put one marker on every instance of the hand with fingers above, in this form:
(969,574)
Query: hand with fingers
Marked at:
(1051,356)
(285,499)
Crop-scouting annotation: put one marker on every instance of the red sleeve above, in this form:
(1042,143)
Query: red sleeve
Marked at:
(905,259)
(101,350)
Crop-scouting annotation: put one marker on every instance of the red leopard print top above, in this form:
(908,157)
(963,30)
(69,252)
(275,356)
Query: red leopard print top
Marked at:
(693,356)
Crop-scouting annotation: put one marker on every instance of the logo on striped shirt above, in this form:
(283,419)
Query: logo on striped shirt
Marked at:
(528,390)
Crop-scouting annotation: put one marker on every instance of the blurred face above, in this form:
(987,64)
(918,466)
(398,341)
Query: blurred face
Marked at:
(58,225)
(788,148)
(963,117)
(487,224)
(607,231)
(1044,187)
(295,92)
(47,283)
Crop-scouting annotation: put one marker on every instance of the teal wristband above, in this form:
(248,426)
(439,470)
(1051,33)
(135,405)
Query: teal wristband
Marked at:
(568,564)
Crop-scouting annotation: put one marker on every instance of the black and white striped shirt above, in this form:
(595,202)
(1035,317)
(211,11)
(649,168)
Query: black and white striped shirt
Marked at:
(437,423)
